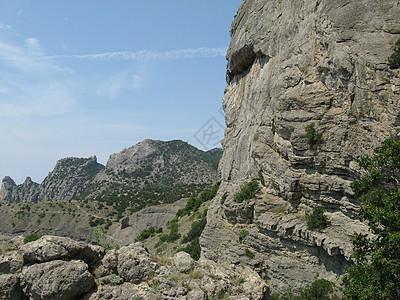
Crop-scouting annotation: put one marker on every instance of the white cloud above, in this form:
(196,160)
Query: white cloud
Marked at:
(3,90)
(116,84)
(33,44)
(150,55)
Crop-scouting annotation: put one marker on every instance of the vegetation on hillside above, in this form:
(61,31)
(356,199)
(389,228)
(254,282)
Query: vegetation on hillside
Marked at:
(394,59)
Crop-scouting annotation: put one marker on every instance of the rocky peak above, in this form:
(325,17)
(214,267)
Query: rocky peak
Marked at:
(130,158)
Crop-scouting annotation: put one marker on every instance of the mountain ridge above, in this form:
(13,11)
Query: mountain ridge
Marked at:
(132,168)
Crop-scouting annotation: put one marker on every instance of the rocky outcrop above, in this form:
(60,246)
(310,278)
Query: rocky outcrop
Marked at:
(292,64)
(126,273)
(70,178)
(26,192)
(149,164)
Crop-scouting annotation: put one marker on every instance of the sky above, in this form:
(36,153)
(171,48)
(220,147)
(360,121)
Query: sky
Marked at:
(92,77)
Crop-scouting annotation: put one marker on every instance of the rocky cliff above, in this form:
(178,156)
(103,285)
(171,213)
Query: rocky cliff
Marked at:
(292,64)
(150,164)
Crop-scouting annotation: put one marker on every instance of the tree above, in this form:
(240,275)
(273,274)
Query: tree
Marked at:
(376,271)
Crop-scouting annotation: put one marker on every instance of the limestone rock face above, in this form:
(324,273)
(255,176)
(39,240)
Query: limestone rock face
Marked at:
(57,280)
(291,64)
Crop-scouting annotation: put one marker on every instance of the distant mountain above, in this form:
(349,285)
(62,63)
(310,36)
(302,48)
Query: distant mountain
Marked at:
(156,170)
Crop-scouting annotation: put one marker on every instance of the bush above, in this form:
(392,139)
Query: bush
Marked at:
(313,136)
(394,59)
(174,234)
(195,231)
(247,192)
(317,219)
(320,289)
(193,249)
(248,253)
(376,270)
(194,203)
(242,235)
(146,233)
(31,237)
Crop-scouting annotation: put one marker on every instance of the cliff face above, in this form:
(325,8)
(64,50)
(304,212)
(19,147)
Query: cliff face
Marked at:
(291,64)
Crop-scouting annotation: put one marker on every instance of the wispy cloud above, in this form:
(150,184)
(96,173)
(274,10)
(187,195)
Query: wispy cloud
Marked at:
(150,55)
(31,84)
(114,85)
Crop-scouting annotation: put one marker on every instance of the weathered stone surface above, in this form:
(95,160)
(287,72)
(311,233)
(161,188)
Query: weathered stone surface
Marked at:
(196,295)
(134,263)
(10,288)
(110,261)
(49,248)
(183,262)
(11,262)
(291,64)
(57,280)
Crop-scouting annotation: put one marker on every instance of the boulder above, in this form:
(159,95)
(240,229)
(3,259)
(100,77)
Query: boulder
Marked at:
(49,248)
(11,262)
(134,263)
(183,262)
(10,288)
(57,280)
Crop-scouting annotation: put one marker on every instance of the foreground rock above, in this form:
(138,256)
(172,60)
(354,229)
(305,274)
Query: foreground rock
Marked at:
(58,280)
(183,262)
(61,268)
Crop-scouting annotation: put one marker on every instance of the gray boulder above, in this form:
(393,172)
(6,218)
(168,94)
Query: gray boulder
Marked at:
(110,261)
(134,263)
(196,295)
(49,248)
(10,288)
(183,262)
(57,280)
(11,262)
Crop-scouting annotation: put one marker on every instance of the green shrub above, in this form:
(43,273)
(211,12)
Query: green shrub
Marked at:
(313,136)
(146,233)
(247,192)
(320,289)
(195,231)
(193,249)
(248,253)
(317,219)
(173,234)
(31,237)
(394,59)
(223,198)
(242,235)
(194,203)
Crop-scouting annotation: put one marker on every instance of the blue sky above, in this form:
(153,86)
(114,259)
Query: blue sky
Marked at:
(82,78)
